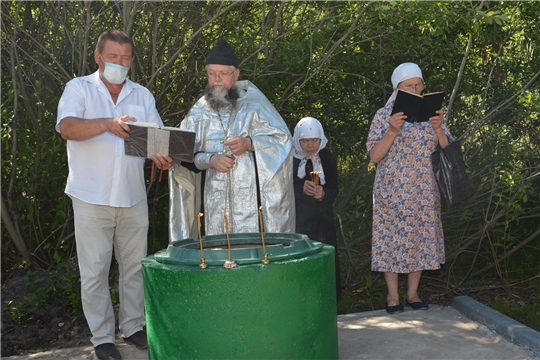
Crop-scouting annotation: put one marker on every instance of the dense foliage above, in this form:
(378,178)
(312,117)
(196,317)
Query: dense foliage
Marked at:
(330,60)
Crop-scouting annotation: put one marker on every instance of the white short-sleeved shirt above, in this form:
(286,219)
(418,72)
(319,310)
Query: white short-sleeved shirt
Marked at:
(99,171)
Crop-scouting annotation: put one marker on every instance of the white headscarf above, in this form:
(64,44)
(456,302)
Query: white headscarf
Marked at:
(309,128)
(404,72)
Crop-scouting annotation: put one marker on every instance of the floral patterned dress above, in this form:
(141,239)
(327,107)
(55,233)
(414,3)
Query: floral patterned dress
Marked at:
(407,229)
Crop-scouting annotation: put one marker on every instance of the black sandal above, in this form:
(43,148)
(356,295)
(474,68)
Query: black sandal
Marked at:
(418,305)
(394,309)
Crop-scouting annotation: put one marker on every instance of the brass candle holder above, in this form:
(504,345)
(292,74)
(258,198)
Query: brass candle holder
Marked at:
(265,260)
(230,263)
(203,264)
(315,177)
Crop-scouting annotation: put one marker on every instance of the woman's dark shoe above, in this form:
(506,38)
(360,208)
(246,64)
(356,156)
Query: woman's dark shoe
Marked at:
(394,309)
(418,305)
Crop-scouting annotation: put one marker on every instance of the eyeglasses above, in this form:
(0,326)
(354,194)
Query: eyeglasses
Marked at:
(220,74)
(411,88)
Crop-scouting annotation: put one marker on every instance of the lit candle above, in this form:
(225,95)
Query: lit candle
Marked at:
(315,177)
(203,264)
(265,259)
(200,237)
(261,223)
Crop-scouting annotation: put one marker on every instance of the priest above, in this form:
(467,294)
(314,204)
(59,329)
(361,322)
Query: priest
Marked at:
(243,159)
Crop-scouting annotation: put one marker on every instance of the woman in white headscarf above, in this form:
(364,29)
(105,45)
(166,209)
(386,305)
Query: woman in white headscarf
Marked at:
(407,229)
(315,186)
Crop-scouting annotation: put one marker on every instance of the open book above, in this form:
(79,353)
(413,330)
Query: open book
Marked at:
(418,108)
(147,139)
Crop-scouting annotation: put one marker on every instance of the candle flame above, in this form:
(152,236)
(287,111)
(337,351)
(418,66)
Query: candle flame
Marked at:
(315,177)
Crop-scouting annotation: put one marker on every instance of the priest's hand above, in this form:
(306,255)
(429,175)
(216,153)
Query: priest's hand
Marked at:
(221,163)
(239,145)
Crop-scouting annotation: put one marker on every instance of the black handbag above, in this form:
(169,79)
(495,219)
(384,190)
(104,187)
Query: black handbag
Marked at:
(449,169)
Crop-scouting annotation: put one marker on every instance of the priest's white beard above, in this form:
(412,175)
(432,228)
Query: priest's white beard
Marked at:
(220,99)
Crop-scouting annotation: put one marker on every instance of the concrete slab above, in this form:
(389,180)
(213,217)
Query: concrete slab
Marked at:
(437,333)
(509,328)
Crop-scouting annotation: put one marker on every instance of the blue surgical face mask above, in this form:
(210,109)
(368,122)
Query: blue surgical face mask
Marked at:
(114,73)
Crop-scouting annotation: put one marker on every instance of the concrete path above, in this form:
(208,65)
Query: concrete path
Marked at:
(437,333)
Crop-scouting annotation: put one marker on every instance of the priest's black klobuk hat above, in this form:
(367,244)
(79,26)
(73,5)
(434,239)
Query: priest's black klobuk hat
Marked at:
(222,54)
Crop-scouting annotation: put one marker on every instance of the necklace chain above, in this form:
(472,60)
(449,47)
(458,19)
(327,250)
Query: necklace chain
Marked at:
(225,131)
(228,190)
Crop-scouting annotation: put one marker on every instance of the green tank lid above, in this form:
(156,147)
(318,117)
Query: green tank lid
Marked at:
(246,248)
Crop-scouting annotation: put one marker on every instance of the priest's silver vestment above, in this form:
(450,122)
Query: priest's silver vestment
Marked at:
(262,175)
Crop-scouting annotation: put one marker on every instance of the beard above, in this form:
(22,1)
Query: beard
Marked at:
(220,99)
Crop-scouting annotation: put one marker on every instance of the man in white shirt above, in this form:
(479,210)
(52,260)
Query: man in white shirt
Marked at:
(107,189)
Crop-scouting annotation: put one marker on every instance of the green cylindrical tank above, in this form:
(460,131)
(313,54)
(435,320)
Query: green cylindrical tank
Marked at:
(283,310)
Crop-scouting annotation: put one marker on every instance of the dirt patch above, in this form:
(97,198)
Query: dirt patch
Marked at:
(38,311)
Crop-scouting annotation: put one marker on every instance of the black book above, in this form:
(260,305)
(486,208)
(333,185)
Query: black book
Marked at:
(418,108)
(147,139)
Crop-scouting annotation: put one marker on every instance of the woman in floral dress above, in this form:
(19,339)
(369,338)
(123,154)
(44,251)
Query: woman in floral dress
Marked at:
(407,229)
